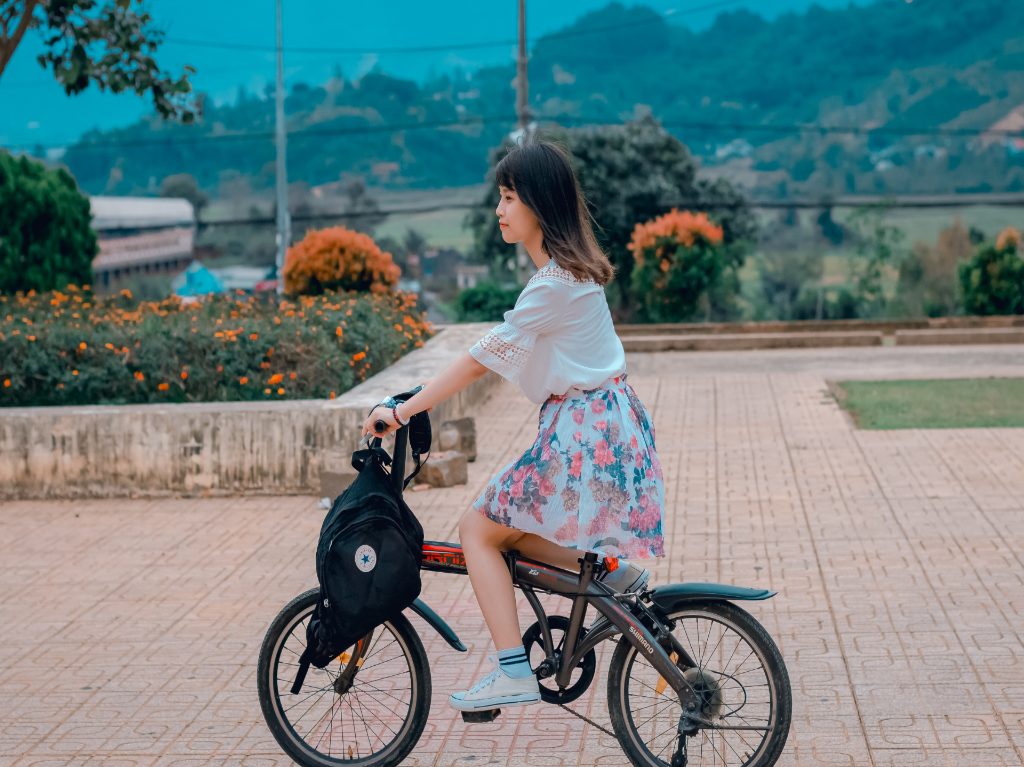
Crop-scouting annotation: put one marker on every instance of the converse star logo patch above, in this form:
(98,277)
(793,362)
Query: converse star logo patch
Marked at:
(366,558)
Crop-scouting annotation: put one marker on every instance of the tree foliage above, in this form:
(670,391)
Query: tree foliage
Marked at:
(45,237)
(108,44)
(629,174)
(993,281)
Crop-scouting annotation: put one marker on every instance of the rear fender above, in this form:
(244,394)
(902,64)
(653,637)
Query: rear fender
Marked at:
(675,595)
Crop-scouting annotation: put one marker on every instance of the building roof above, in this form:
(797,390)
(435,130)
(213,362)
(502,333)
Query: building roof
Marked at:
(110,213)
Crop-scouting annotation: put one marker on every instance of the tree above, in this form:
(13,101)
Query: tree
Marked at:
(109,44)
(993,280)
(47,242)
(629,173)
(184,185)
(879,245)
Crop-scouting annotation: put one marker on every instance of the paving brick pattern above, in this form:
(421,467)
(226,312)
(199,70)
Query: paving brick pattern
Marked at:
(129,629)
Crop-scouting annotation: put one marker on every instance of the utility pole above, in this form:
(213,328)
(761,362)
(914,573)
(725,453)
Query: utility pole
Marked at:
(523,120)
(522,82)
(284,223)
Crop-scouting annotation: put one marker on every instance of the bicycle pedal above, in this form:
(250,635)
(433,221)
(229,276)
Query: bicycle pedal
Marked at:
(481,717)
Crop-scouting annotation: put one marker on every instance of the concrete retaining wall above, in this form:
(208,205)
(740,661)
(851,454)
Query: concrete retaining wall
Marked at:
(210,448)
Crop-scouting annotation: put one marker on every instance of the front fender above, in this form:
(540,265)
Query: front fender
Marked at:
(671,596)
(438,623)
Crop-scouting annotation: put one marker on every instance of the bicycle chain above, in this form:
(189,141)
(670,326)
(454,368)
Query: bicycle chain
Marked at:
(588,720)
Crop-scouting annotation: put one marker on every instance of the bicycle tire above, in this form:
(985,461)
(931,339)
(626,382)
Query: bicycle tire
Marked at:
(726,614)
(272,685)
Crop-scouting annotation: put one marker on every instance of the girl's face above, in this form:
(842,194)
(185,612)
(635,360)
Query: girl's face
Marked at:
(517,221)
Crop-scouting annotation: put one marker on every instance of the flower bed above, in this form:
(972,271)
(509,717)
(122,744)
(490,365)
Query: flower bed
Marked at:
(73,348)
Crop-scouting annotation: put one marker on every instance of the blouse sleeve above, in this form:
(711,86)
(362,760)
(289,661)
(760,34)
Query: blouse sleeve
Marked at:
(506,347)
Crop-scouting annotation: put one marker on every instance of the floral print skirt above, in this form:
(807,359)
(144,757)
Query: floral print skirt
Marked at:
(591,481)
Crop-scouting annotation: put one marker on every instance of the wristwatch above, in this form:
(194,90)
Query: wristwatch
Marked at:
(392,404)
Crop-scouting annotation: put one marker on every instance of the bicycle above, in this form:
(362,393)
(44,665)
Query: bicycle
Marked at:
(674,646)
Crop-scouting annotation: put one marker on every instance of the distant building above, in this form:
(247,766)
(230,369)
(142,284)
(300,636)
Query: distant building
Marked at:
(471,275)
(141,235)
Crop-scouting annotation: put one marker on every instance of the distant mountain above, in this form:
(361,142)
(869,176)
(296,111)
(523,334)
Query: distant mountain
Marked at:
(732,92)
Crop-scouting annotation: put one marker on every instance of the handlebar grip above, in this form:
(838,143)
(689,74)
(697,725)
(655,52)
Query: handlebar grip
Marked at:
(380,426)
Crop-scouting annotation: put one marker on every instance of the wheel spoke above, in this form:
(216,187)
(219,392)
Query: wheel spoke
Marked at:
(384,705)
(728,652)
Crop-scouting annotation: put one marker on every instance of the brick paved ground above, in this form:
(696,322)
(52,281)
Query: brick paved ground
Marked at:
(129,629)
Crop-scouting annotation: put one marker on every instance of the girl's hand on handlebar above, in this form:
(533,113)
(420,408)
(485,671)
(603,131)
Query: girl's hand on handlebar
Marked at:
(379,413)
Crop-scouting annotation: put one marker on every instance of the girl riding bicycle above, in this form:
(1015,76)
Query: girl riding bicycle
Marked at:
(592,480)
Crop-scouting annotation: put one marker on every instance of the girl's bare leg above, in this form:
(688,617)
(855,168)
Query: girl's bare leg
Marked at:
(542,550)
(483,542)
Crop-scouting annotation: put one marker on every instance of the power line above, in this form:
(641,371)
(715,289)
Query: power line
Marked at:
(580,122)
(898,202)
(441,48)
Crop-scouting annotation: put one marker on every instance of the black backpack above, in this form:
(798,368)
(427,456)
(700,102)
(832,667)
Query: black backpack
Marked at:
(367,560)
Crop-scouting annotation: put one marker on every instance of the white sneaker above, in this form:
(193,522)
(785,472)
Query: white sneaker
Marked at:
(497,690)
(627,579)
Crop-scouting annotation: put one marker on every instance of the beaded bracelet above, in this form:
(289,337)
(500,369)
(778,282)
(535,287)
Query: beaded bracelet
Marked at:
(398,419)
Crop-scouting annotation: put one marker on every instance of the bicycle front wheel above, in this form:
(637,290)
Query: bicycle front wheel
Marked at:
(739,676)
(366,711)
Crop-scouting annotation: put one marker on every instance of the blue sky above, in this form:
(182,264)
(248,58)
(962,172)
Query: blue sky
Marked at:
(35,109)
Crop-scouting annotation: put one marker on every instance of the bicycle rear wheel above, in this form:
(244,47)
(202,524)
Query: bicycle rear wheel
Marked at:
(362,712)
(739,675)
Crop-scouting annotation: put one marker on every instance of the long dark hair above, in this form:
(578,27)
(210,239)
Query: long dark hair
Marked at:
(540,173)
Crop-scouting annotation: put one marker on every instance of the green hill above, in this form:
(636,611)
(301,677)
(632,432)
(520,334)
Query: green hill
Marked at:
(732,92)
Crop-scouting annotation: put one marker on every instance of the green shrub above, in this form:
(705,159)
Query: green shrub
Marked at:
(71,348)
(45,235)
(992,282)
(485,302)
(678,261)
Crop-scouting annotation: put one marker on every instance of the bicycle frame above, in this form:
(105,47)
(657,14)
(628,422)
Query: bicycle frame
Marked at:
(530,576)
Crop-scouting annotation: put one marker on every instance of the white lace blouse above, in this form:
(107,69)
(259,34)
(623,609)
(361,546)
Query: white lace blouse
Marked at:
(558,335)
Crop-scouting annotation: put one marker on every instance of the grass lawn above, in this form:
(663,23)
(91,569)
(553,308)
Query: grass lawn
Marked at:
(935,404)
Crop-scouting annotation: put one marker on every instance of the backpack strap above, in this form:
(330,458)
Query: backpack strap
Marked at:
(300,677)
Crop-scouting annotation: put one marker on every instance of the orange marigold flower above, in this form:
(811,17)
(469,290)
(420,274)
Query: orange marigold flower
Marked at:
(358,356)
(338,331)
(280,390)
(333,395)
(164,386)
(139,376)
(1008,238)
(83,346)
(7,383)
(275,379)
(109,346)
(31,338)
(398,327)
(682,226)
(243,380)
(293,376)
(184,375)
(254,336)
(74,372)
(266,391)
